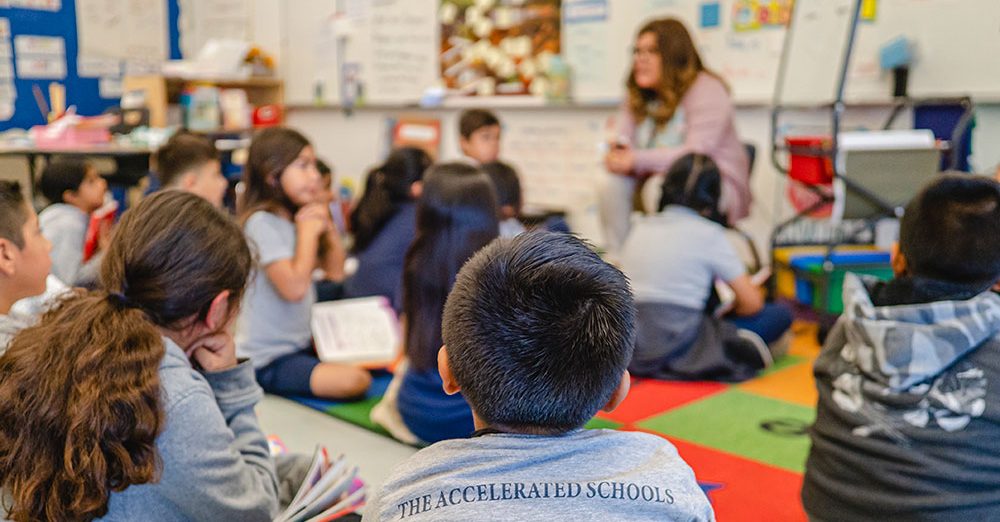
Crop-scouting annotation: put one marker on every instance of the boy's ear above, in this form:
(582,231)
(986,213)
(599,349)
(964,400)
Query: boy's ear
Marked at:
(416,189)
(8,257)
(898,261)
(450,386)
(620,392)
(188,180)
(218,312)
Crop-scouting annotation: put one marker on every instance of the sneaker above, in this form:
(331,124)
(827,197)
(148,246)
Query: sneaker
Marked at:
(759,344)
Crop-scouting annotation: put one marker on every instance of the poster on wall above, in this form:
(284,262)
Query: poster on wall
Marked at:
(498,47)
(751,15)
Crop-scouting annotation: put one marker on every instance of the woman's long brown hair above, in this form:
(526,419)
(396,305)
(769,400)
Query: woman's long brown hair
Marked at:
(680,65)
(80,392)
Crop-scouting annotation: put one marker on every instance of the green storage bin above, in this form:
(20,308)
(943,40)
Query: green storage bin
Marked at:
(827,288)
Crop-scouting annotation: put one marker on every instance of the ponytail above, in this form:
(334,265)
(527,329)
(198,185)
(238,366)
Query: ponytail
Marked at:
(80,392)
(94,393)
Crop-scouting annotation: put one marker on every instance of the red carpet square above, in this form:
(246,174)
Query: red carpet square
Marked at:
(650,397)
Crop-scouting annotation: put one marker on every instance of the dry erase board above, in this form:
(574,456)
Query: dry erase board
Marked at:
(391,47)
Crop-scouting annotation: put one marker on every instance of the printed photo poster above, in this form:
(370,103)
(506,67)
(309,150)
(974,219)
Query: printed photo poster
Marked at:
(498,47)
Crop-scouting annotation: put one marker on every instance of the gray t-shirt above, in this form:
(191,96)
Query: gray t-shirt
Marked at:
(673,257)
(581,475)
(269,326)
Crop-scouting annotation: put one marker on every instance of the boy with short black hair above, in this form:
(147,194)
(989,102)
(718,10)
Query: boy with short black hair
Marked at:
(538,332)
(479,135)
(909,412)
(75,190)
(508,188)
(24,259)
(191,163)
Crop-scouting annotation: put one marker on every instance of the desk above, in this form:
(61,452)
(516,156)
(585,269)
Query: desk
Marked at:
(132,162)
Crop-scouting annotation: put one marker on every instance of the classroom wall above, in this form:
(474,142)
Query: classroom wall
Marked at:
(357,142)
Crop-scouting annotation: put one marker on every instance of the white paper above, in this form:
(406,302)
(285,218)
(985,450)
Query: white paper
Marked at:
(41,5)
(110,88)
(360,330)
(41,68)
(8,92)
(201,20)
(404,50)
(123,29)
(40,57)
(39,45)
(93,67)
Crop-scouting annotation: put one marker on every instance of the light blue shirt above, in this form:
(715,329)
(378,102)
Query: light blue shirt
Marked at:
(675,256)
(269,326)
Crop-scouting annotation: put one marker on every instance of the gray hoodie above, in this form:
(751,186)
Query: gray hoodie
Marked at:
(581,475)
(908,419)
(216,463)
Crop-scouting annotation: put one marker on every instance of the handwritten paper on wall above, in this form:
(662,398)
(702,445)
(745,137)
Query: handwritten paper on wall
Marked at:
(403,50)
(560,166)
(125,30)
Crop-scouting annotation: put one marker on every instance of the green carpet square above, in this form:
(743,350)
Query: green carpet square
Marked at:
(358,413)
(758,428)
(598,423)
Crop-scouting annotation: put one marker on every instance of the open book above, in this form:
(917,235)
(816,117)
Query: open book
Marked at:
(362,331)
(330,491)
(727,297)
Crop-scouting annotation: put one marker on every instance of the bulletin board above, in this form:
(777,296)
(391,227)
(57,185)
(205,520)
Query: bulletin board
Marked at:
(91,85)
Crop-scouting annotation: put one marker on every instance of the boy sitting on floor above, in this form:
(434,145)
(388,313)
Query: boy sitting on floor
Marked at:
(909,407)
(538,332)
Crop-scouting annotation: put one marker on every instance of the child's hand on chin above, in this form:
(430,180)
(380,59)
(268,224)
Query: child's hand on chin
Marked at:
(214,352)
(313,218)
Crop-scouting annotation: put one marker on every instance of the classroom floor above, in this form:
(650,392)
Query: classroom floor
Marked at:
(746,442)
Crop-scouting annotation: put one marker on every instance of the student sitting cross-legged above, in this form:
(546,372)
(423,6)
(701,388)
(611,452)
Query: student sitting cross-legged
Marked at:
(909,408)
(538,331)
(673,259)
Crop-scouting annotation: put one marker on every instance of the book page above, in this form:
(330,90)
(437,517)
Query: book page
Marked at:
(363,330)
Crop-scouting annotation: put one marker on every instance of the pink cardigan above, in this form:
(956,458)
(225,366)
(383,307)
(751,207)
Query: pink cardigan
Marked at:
(709,130)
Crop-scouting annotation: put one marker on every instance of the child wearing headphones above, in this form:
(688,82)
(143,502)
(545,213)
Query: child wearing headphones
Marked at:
(673,260)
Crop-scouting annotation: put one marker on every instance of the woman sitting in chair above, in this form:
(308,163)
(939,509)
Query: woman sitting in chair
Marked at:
(674,106)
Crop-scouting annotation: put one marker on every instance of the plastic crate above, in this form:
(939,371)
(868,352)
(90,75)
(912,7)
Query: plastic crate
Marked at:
(823,290)
(784,276)
(808,161)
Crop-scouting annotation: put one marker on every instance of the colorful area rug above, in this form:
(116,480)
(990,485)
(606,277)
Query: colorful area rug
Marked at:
(747,442)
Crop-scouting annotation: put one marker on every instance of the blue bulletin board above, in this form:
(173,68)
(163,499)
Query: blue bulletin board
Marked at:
(84,93)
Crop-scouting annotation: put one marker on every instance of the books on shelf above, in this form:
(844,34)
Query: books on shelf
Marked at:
(362,331)
(331,490)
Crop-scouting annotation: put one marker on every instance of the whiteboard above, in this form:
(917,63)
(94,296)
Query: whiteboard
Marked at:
(956,45)
(391,44)
(598,36)
(815,52)
(394,43)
